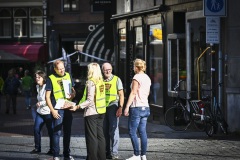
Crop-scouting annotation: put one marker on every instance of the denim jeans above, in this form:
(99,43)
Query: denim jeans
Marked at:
(40,120)
(111,130)
(65,122)
(27,95)
(137,121)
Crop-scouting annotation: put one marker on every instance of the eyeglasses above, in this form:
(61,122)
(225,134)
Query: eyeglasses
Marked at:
(107,70)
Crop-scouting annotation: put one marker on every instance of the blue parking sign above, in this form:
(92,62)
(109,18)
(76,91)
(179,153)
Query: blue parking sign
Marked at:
(215,8)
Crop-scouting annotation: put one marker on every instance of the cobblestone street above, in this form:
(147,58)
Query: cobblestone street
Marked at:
(16,140)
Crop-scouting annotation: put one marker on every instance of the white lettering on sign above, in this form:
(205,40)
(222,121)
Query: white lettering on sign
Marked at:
(213,30)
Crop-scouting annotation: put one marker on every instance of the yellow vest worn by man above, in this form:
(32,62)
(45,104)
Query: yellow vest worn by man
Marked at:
(111,90)
(58,90)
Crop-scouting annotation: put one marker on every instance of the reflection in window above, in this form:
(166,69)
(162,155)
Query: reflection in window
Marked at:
(156,64)
(70,5)
(139,43)
(20,23)
(5,23)
(36,23)
(122,51)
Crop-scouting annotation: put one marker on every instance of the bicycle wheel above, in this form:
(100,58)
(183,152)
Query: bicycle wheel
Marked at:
(177,118)
(221,121)
(199,124)
(210,123)
(222,124)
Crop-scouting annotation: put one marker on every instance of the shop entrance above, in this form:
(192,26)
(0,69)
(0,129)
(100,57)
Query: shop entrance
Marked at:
(190,58)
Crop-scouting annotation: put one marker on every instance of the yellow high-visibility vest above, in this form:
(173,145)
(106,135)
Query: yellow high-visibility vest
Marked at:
(100,101)
(58,90)
(111,90)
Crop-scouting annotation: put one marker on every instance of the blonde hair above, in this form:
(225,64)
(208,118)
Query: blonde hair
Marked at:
(94,72)
(140,64)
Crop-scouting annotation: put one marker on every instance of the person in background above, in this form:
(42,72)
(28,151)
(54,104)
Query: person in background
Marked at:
(27,84)
(1,90)
(43,115)
(137,108)
(94,103)
(10,89)
(62,117)
(114,103)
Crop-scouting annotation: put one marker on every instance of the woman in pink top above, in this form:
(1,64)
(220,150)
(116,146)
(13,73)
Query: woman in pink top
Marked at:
(138,110)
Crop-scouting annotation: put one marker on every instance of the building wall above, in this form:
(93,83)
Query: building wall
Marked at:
(84,15)
(232,58)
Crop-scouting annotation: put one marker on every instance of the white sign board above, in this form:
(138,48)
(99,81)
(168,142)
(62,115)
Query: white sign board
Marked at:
(213,30)
(215,8)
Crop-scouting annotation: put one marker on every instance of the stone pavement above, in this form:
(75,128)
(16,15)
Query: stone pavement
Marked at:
(16,140)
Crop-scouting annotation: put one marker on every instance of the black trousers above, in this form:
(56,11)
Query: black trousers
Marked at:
(94,136)
(11,98)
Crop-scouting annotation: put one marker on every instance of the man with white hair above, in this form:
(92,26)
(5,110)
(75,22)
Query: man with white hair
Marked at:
(114,102)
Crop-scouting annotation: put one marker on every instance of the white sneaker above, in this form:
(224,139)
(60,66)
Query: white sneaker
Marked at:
(143,157)
(134,158)
(56,158)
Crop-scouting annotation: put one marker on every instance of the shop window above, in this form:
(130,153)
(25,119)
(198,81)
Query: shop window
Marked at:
(5,23)
(155,64)
(122,58)
(20,22)
(70,5)
(36,22)
(139,43)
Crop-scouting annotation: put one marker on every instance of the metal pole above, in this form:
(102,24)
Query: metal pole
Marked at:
(220,75)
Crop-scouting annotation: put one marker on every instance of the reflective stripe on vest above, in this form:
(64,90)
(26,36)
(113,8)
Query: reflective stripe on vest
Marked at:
(57,85)
(100,101)
(111,90)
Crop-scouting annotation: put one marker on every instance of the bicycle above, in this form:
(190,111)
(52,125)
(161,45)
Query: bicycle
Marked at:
(179,117)
(216,120)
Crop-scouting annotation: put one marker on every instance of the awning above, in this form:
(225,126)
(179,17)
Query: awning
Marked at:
(31,52)
(95,47)
(11,58)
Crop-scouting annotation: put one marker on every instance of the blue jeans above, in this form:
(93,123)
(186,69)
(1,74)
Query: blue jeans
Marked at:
(65,122)
(40,120)
(137,121)
(27,94)
(111,130)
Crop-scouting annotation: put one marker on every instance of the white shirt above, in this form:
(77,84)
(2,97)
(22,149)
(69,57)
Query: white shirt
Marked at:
(43,109)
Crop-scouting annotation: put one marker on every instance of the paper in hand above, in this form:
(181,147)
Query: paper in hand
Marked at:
(64,104)
(67,88)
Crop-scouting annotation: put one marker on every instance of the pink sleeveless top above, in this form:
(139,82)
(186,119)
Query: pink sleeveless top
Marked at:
(141,99)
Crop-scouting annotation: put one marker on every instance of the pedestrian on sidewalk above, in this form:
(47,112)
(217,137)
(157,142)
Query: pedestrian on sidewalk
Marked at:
(137,108)
(10,89)
(43,115)
(1,90)
(114,103)
(94,103)
(27,84)
(62,117)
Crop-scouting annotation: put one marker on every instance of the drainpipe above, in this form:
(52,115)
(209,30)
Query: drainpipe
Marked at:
(220,79)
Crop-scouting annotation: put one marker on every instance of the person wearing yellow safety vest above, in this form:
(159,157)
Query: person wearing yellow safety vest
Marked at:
(62,117)
(94,103)
(114,102)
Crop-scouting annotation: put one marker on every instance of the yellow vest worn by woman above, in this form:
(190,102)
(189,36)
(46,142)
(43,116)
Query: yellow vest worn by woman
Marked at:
(58,90)
(100,101)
